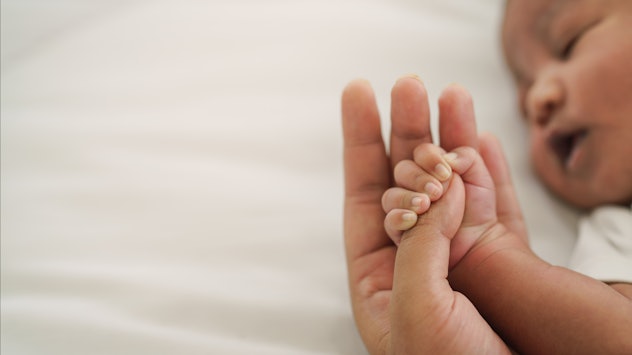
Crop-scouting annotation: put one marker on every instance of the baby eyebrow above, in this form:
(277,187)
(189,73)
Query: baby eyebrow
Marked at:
(550,14)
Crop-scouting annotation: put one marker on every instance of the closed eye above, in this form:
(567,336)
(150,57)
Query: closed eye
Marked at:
(567,50)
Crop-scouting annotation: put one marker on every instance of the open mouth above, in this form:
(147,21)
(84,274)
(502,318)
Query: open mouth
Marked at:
(564,144)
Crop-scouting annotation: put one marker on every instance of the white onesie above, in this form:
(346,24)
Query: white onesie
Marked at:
(604,247)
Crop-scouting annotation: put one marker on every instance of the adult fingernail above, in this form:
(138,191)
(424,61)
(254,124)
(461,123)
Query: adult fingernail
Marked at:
(456,85)
(414,76)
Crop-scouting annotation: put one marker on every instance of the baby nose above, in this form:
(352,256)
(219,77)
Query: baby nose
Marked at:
(545,96)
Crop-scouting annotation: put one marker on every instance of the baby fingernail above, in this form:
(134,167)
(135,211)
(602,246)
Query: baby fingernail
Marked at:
(409,217)
(432,190)
(420,203)
(450,157)
(442,172)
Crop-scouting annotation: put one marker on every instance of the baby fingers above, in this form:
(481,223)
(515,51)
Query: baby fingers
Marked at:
(430,158)
(400,198)
(397,221)
(410,176)
(467,162)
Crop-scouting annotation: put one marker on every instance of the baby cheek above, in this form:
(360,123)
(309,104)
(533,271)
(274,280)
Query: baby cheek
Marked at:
(612,182)
(545,165)
(537,148)
(539,163)
(612,73)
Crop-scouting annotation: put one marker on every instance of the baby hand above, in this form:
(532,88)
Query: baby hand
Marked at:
(424,181)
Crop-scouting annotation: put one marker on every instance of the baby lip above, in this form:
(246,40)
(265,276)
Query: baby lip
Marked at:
(564,143)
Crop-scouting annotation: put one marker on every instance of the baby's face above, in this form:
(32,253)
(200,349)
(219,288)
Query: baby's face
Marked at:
(572,60)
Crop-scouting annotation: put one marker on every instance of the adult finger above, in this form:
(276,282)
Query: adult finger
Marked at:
(370,253)
(457,122)
(367,170)
(410,118)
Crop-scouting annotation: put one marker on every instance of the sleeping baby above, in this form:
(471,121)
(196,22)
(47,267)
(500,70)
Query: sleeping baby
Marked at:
(572,62)
(574,76)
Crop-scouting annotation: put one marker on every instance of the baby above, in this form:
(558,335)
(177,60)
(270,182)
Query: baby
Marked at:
(571,62)
(462,247)
(576,100)
(580,137)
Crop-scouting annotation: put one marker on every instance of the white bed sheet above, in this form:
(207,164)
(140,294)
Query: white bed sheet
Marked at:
(172,174)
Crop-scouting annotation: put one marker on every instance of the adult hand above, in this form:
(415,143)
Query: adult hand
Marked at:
(401,298)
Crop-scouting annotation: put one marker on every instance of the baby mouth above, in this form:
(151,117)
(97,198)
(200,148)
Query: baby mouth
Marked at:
(564,145)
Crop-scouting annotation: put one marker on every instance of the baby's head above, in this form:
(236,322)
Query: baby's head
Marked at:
(572,61)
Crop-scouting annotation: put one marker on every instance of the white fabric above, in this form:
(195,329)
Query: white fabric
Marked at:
(172,174)
(604,247)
